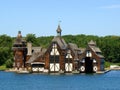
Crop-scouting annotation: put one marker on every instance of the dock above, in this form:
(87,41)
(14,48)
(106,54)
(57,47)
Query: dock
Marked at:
(23,72)
(102,72)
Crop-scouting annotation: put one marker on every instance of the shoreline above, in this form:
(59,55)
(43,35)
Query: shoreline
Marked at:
(72,73)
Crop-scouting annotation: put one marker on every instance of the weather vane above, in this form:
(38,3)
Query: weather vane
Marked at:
(59,21)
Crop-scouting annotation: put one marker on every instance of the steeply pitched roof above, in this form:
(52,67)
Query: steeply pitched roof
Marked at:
(73,46)
(61,42)
(19,40)
(82,50)
(36,49)
(36,55)
(92,43)
(75,50)
(95,49)
(33,57)
(101,56)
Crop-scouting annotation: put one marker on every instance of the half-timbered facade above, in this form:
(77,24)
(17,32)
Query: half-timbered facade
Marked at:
(59,57)
(91,59)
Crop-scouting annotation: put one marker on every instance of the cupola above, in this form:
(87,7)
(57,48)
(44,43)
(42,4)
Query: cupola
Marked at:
(59,31)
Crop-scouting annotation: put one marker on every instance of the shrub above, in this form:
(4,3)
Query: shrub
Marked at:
(9,63)
(107,64)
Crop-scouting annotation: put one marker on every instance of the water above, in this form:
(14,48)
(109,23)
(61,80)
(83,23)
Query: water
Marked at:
(13,81)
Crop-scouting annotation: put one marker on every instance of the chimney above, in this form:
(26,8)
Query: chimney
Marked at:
(29,47)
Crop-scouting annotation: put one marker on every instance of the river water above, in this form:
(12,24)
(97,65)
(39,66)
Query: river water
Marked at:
(14,81)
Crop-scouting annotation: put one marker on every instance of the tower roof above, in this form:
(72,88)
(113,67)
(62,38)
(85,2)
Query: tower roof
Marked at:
(59,30)
(19,40)
(92,43)
(61,42)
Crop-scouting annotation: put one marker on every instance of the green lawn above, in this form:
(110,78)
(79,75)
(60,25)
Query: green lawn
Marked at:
(3,67)
(107,64)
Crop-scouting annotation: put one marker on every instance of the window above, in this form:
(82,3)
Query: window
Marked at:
(54,50)
(88,53)
(68,54)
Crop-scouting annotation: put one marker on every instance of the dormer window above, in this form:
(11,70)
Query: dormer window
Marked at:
(68,54)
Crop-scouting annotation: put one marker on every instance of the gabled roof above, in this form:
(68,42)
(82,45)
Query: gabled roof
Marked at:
(33,57)
(75,50)
(82,50)
(36,49)
(92,43)
(95,49)
(36,55)
(101,56)
(61,42)
(73,46)
(93,46)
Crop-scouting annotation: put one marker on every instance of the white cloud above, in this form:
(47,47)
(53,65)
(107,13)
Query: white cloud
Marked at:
(111,6)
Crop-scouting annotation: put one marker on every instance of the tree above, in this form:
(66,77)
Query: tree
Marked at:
(31,38)
(5,41)
(4,54)
(9,63)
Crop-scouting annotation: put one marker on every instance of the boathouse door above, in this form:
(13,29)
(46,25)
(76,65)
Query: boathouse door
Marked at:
(37,67)
(54,59)
(88,65)
(54,64)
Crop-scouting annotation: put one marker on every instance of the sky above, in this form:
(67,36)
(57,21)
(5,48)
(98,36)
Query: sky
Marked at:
(41,17)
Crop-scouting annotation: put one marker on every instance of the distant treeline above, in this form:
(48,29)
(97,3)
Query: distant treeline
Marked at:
(109,45)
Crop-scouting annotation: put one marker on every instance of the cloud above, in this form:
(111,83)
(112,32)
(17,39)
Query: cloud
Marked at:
(111,6)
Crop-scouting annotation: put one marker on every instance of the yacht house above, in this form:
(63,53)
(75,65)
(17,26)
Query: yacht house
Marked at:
(59,57)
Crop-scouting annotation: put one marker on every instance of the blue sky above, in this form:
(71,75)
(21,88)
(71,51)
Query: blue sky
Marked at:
(41,17)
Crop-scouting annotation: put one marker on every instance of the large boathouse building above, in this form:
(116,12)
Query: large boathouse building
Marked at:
(58,57)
